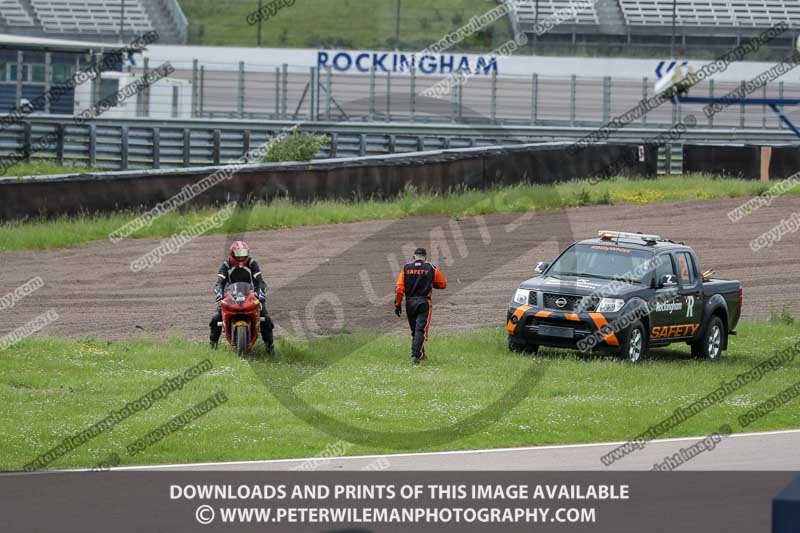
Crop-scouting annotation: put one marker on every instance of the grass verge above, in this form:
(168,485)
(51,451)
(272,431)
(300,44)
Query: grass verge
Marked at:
(56,388)
(48,167)
(72,231)
(353,24)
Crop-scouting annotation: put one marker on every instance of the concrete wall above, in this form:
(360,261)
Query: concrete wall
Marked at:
(369,177)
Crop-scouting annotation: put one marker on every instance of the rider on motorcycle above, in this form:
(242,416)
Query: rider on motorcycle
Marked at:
(241,268)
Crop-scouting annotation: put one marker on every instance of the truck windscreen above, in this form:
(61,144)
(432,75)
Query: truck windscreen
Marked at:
(603,261)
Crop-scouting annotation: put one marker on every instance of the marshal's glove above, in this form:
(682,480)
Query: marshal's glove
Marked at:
(397,310)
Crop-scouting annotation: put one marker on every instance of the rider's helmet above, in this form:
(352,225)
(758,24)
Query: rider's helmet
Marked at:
(240,254)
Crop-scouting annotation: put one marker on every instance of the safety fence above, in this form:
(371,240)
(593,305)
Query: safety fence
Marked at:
(207,89)
(144,143)
(285,92)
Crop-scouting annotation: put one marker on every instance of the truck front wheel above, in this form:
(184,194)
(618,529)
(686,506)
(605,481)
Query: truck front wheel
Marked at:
(634,343)
(521,346)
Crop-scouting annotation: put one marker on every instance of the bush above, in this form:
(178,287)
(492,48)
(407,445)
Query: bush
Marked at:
(295,147)
(784,317)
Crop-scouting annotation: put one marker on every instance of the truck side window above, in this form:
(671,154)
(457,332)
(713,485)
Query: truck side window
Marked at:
(686,269)
(664,266)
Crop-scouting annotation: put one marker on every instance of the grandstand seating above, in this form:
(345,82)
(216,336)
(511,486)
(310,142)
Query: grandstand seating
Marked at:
(712,13)
(690,13)
(90,16)
(93,19)
(13,14)
(526,11)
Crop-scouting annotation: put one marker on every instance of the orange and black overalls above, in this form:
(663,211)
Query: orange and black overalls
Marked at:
(416,282)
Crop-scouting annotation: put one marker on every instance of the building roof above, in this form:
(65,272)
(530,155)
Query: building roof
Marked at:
(42,43)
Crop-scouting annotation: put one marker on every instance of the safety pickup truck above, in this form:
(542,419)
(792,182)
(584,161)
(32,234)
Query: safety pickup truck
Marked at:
(625,293)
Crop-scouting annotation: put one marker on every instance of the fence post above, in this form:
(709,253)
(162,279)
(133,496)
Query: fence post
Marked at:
(194,87)
(780,95)
(372,92)
(534,97)
(329,99)
(60,128)
(413,94)
(493,112)
(573,90)
(392,143)
(202,88)
(743,88)
(240,91)
(711,95)
(362,144)
(389,96)
(285,89)
(48,74)
(156,148)
(606,99)
(644,97)
(187,147)
(27,140)
(217,146)
(277,93)
(123,152)
(18,96)
(145,93)
(334,142)
(312,94)
(460,89)
(454,103)
(764,108)
(420,143)
(92,145)
(246,144)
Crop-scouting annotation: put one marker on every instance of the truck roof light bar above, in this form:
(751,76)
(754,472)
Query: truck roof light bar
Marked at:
(617,235)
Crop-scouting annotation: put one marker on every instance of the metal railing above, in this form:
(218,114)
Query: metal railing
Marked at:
(146,143)
(283,92)
(179,20)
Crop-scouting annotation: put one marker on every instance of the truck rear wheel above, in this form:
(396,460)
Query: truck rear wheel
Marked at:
(709,346)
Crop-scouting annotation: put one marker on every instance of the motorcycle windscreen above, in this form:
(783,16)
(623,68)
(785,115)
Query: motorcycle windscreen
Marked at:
(239,291)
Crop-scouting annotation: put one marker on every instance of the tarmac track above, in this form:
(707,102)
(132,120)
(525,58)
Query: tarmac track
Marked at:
(340,277)
(772,450)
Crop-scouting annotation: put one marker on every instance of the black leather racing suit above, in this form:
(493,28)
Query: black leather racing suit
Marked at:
(251,273)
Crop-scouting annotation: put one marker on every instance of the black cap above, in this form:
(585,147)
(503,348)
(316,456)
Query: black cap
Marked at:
(420,251)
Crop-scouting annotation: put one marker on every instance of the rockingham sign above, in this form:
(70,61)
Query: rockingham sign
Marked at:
(395,62)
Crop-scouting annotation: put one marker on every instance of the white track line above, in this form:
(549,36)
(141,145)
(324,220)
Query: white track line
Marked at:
(455,452)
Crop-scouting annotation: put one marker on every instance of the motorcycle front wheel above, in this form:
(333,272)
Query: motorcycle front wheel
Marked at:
(242,337)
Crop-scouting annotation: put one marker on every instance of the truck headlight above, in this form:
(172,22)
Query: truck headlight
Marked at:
(610,305)
(522,296)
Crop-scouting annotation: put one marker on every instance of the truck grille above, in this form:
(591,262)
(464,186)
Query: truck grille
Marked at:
(570,302)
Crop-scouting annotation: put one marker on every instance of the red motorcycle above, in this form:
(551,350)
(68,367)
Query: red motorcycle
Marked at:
(241,316)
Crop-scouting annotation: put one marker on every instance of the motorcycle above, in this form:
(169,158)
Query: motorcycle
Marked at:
(241,316)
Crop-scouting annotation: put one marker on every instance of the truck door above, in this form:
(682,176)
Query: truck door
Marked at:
(665,308)
(690,290)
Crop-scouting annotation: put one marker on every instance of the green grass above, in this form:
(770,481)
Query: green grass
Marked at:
(55,388)
(46,167)
(357,24)
(72,231)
